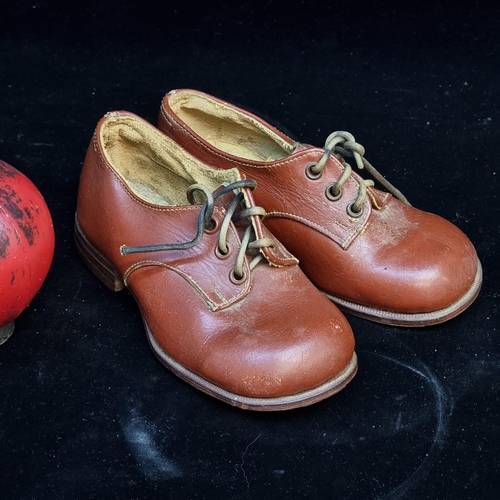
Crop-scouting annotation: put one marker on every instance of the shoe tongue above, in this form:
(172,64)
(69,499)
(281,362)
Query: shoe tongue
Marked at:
(379,199)
(277,255)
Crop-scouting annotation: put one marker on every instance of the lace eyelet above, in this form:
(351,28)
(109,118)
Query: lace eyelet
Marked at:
(220,254)
(330,195)
(214,226)
(235,280)
(352,213)
(310,174)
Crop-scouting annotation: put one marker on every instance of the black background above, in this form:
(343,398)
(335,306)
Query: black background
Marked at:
(86,409)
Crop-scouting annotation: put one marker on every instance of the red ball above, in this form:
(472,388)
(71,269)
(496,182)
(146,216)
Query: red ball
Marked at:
(26,243)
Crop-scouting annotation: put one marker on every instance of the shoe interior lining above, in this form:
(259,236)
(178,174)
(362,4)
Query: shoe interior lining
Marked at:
(228,129)
(153,166)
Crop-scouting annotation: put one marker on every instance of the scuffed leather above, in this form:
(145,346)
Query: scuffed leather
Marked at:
(394,257)
(272,335)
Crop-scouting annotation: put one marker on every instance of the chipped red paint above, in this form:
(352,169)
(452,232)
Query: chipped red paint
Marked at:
(26,242)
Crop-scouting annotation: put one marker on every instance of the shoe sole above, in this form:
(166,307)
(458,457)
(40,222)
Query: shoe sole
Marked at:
(412,319)
(110,277)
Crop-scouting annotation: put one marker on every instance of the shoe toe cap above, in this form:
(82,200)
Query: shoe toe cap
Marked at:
(305,352)
(422,263)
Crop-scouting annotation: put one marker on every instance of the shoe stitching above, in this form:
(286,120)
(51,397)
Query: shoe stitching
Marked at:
(353,176)
(241,266)
(219,294)
(350,233)
(344,240)
(212,304)
(274,164)
(278,163)
(137,199)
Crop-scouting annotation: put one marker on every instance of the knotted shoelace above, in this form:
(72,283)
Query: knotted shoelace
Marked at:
(342,144)
(249,240)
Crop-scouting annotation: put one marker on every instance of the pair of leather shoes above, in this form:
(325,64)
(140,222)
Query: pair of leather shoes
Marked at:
(176,215)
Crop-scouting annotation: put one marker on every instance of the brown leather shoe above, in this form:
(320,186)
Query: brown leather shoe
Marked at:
(225,306)
(369,251)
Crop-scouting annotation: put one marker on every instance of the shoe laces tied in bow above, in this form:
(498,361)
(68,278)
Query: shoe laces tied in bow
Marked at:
(342,144)
(206,223)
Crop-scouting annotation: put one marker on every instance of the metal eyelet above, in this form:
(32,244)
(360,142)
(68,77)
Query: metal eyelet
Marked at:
(220,254)
(330,195)
(214,226)
(310,174)
(352,213)
(235,280)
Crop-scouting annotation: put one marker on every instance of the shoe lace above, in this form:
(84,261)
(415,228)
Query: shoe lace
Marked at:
(249,241)
(343,145)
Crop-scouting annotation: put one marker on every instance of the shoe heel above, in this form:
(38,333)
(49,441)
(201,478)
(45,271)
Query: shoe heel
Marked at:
(96,262)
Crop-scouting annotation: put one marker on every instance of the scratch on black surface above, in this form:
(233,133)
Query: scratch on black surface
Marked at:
(150,457)
(444,408)
(243,460)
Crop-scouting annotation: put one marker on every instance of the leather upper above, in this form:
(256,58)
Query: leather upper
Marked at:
(266,335)
(393,256)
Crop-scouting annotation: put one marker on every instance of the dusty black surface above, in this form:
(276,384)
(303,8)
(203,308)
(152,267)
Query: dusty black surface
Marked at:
(88,412)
